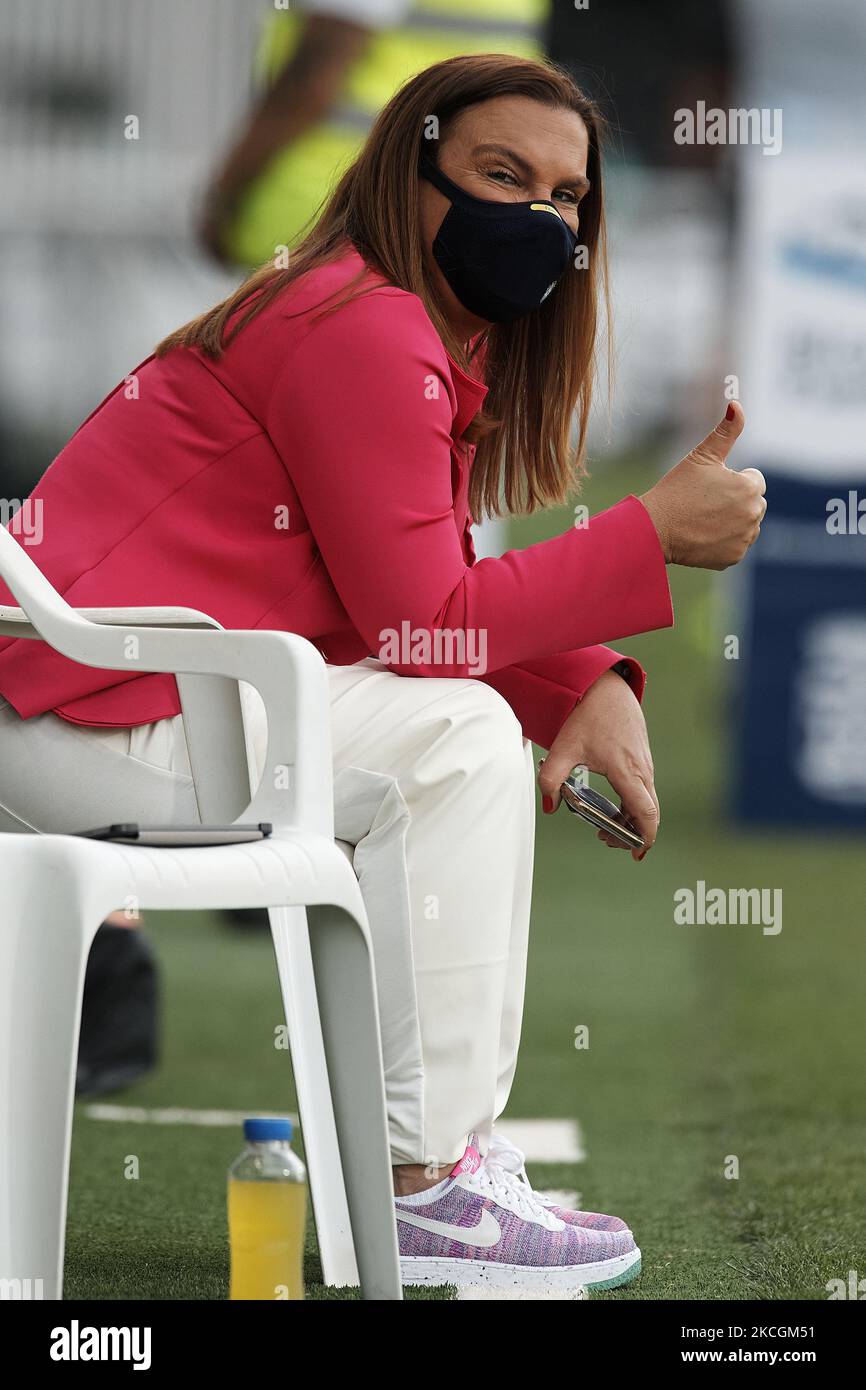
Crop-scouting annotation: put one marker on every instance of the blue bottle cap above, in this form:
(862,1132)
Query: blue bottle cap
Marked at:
(260,1131)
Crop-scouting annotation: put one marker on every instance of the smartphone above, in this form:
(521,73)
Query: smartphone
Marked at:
(179,836)
(591,806)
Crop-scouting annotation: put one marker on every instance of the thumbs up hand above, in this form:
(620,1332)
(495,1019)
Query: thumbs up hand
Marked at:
(706,515)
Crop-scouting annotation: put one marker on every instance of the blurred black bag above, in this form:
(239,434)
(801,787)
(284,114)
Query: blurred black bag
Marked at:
(120,1014)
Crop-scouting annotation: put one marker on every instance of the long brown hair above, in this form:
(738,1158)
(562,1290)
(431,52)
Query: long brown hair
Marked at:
(540,369)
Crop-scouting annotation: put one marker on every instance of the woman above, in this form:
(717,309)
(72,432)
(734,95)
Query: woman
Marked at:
(308,456)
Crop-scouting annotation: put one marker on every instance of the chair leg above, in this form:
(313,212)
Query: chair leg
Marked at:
(346,991)
(294,964)
(45,938)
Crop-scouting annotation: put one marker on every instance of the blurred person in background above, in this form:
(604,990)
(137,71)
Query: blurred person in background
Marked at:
(420,362)
(643,62)
(328,67)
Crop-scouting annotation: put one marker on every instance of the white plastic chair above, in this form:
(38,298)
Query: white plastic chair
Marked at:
(57,889)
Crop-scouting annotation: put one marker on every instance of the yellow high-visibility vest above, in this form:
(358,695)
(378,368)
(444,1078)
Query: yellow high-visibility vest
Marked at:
(281,204)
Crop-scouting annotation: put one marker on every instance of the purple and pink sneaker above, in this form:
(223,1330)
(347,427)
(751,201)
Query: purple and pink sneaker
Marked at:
(484,1227)
(513,1160)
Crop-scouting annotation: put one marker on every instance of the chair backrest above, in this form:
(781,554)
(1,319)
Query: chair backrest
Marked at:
(218,744)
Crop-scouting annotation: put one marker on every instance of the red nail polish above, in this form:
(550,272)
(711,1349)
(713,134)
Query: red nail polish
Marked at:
(730,413)
(547,804)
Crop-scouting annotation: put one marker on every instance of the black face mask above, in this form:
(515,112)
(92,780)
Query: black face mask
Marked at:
(501,259)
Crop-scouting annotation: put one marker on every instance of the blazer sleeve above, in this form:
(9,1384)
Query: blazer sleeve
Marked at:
(361,414)
(543,693)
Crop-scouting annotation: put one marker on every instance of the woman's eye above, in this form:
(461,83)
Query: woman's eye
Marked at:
(501,175)
(566,195)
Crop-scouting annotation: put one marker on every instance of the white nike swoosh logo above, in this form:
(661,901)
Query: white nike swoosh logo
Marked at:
(484,1235)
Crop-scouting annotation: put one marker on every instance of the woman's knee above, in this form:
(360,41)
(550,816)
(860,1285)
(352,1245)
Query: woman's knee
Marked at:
(486,736)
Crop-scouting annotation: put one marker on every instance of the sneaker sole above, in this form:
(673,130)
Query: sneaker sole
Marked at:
(489,1274)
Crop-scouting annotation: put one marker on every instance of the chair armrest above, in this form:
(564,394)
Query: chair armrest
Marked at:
(295,790)
(296,784)
(14,622)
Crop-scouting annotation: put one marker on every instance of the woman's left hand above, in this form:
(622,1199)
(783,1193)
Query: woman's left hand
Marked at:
(606,733)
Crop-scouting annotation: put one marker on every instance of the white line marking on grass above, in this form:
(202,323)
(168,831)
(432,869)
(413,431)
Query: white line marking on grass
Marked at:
(562,1196)
(545,1141)
(176,1115)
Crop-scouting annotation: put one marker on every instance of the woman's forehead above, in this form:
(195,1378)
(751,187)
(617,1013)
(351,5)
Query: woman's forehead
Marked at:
(532,133)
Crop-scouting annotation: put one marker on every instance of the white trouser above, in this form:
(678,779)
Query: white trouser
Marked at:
(434,792)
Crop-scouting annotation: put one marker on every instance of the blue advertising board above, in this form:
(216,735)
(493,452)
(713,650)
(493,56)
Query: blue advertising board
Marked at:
(800,747)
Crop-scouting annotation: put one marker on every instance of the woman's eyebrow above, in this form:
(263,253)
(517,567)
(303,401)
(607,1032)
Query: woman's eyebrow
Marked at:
(576,180)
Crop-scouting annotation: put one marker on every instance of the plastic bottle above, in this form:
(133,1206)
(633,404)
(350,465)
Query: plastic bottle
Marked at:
(267,1209)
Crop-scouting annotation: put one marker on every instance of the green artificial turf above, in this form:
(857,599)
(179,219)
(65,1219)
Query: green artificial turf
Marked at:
(705,1042)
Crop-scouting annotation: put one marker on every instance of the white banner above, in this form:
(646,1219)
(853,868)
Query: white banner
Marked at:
(801,309)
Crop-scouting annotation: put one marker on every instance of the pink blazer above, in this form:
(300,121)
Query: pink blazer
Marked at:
(315,480)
